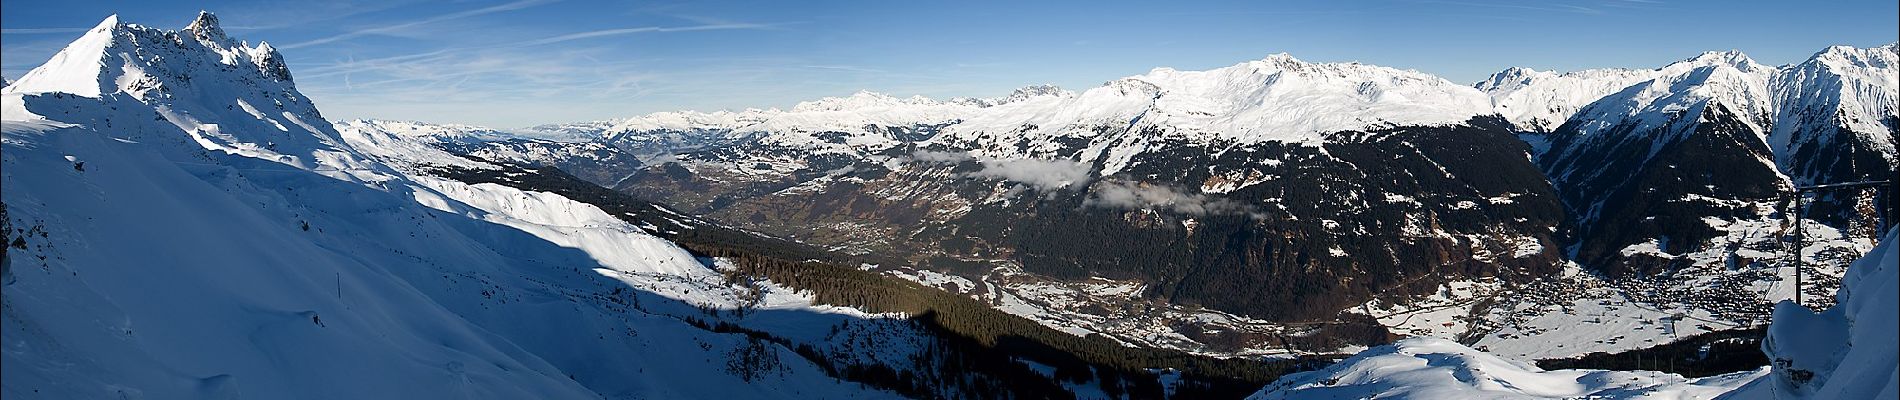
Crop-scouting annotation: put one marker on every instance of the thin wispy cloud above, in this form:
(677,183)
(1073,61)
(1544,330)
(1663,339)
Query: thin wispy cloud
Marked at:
(435,58)
(1551,7)
(517,5)
(1636,4)
(849,68)
(1148,196)
(647,29)
(35,31)
(279,14)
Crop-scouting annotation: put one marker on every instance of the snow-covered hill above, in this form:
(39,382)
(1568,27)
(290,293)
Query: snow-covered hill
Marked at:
(183,224)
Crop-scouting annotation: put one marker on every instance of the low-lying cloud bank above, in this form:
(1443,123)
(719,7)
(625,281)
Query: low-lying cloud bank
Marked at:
(1050,175)
(1044,175)
(940,157)
(1144,196)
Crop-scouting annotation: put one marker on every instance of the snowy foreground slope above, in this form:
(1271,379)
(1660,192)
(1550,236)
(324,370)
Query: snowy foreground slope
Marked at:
(1432,368)
(1847,352)
(183,224)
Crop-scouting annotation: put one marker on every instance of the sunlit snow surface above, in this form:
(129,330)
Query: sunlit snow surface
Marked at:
(191,227)
(1431,368)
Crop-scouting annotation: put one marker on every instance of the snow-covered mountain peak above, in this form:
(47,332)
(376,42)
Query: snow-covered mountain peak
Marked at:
(1730,58)
(190,201)
(1281,97)
(1513,77)
(1277,98)
(1020,94)
(1685,89)
(1540,101)
(863,99)
(1034,91)
(1841,93)
(1875,57)
(1514,73)
(206,28)
(75,68)
(223,94)
(1607,98)
(1873,64)
(687,120)
(1039,90)
(440,132)
(1283,63)
(136,59)
(1281,58)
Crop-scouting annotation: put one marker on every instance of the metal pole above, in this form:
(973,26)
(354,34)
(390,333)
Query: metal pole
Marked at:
(1798,237)
(1891,211)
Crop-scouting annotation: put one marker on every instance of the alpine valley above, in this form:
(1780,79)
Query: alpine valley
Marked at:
(181,222)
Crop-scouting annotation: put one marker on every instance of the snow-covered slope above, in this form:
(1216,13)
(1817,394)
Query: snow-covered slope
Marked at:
(1842,98)
(1839,91)
(1679,93)
(1664,174)
(1432,368)
(408,144)
(183,224)
(257,111)
(1846,352)
(1539,101)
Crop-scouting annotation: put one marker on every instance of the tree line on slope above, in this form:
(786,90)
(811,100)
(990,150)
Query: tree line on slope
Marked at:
(1707,354)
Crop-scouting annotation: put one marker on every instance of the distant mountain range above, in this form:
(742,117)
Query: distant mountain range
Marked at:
(1297,192)
(182,222)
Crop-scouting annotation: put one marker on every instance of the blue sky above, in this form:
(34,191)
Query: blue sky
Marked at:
(510,63)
